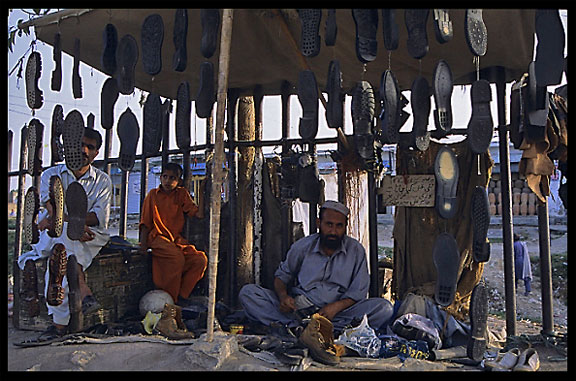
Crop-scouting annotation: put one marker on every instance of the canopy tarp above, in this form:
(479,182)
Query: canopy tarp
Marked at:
(265,47)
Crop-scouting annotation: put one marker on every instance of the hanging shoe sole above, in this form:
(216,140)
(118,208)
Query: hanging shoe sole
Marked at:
(443,87)
(366,21)
(447,172)
(310,39)
(152,37)
(56,80)
(417,42)
(34,147)
(183,114)
(420,100)
(57,269)
(56,128)
(108,98)
(480,126)
(390,29)
(31,207)
(335,104)
(126,58)
(72,140)
(475,32)
(180,57)
(76,207)
(478,319)
(34,96)
(206,95)
(76,79)
(446,260)
(550,48)
(152,119)
(308,98)
(390,116)
(56,193)
(110,42)
(331,28)
(481,222)
(442,25)
(210,19)
(363,106)
(128,133)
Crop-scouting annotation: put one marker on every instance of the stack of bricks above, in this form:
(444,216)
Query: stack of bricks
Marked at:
(523,199)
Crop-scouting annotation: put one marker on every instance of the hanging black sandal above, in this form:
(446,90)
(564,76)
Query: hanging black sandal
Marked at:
(76,79)
(152,37)
(56,128)
(108,98)
(446,171)
(206,95)
(77,208)
(183,114)
(417,42)
(335,103)
(363,108)
(180,57)
(126,58)
(481,222)
(366,21)
(72,140)
(480,126)
(152,119)
(56,193)
(210,19)
(110,42)
(420,99)
(331,30)
(308,98)
(129,133)
(34,96)
(478,322)
(390,115)
(442,25)
(550,47)
(447,261)
(310,39)
(390,29)
(475,32)
(442,89)
(56,80)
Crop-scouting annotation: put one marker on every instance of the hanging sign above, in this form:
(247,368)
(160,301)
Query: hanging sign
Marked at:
(410,190)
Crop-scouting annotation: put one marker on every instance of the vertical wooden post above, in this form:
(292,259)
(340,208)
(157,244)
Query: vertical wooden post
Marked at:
(545,268)
(217,172)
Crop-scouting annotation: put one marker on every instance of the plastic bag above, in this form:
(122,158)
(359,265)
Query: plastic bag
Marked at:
(361,339)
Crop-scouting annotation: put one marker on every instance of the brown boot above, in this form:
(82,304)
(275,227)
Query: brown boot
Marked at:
(57,266)
(30,288)
(318,338)
(170,323)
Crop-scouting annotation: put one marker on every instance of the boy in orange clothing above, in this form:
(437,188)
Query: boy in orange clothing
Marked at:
(176,264)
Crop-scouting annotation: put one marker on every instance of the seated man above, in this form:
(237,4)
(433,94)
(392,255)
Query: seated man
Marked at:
(330,276)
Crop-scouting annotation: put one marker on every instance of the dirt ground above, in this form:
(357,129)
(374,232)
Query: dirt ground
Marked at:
(143,356)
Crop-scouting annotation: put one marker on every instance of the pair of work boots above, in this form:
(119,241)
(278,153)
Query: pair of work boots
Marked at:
(171,325)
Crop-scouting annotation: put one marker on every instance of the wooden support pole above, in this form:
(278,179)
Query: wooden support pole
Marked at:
(217,172)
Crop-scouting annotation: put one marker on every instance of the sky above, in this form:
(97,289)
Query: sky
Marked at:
(92,80)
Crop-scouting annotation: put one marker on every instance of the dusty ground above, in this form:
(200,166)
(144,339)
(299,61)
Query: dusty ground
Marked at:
(144,356)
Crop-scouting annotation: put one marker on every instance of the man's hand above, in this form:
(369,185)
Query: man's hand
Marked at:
(88,234)
(330,310)
(287,304)
(44,224)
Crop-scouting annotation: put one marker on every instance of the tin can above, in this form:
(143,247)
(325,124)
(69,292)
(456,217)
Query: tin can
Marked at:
(236,329)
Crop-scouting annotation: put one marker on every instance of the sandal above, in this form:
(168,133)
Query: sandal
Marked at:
(308,97)
(310,40)
(446,260)
(34,96)
(152,120)
(110,41)
(390,29)
(129,133)
(126,58)
(180,31)
(366,21)
(206,95)
(210,19)
(77,207)
(56,146)
(108,98)
(56,80)
(183,112)
(76,80)
(417,42)
(152,36)
(56,193)
(72,139)
(57,270)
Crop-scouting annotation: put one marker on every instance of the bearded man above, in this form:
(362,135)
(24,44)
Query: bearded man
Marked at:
(324,273)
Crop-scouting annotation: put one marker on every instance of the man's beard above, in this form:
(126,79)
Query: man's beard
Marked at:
(330,241)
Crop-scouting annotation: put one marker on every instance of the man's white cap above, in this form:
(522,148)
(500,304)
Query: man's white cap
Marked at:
(337,206)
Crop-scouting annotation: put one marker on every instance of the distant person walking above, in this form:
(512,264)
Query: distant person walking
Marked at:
(522,265)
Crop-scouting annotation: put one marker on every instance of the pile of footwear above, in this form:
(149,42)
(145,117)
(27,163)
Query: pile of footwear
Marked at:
(514,360)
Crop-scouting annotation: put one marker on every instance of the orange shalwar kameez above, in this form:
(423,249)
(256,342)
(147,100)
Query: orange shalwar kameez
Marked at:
(176,264)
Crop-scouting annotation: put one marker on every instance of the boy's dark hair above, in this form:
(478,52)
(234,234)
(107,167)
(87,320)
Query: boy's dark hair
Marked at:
(91,133)
(174,167)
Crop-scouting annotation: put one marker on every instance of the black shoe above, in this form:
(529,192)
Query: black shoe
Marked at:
(363,106)
(481,222)
(420,99)
(72,140)
(180,58)
(56,80)
(335,103)
(550,47)
(206,95)
(446,171)
(77,208)
(308,97)
(152,36)
(126,58)
(129,133)
(210,19)
(475,32)
(417,43)
(76,79)
(390,115)
(390,29)
(183,113)
(310,40)
(331,28)
(442,89)
(366,21)
(110,42)
(108,98)
(446,260)
(34,96)
(152,119)
(442,25)
(480,126)
(478,321)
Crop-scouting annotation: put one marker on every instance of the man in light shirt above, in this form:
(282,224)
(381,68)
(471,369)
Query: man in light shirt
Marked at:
(98,187)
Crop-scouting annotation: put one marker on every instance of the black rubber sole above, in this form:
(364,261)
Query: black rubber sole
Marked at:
(417,42)
(206,95)
(366,21)
(129,133)
(56,79)
(76,79)
(481,222)
(308,98)
(390,116)
(183,114)
(76,208)
(110,42)
(476,32)
(447,173)
(335,103)
(72,140)
(180,57)
(442,90)
(446,260)
(126,58)
(310,39)
(34,96)
(210,19)
(480,126)
(108,97)
(152,120)
(152,37)
(420,100)
(442,25)
(390,29)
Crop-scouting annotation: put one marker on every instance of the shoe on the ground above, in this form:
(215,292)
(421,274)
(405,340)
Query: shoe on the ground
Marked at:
(310,40)
(126,58)
(57,263)
(447,261)
(129,133)
(56,192)
(318,338)
(77,208)
(503,363)
(180,58)
(170,324)
(366,21)
(31,207)
(72,140)
(210,19)
(475,32)
(528,361)
(152,37)
(34,96)
(417,42)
